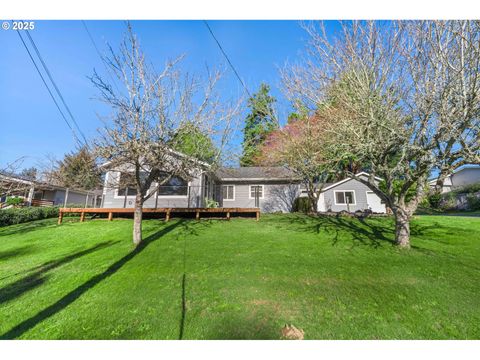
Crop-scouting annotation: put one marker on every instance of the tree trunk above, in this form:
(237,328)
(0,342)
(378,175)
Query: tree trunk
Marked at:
(402,228)
(137,221)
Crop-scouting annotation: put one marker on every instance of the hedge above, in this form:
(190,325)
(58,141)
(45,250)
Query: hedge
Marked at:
(302,204)
(21,215)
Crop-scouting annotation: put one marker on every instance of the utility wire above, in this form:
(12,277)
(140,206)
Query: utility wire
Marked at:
(226,57)
(56,88)
(48,89)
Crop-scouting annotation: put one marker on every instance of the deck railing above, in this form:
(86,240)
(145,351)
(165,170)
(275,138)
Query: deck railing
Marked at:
(42,203)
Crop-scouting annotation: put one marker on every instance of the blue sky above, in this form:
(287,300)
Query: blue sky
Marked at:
(31,126)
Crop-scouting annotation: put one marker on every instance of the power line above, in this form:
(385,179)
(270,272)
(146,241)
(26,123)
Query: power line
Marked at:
(48,89)
(56,88)
(226,57)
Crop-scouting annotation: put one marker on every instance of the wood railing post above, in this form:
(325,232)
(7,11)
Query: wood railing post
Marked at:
(167,215)
(60,216)
(197,215)
(228,215)
(82,216)
(110,216)
(258,215)
(66,198)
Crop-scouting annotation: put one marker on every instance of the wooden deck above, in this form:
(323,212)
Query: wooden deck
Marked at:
(227,212)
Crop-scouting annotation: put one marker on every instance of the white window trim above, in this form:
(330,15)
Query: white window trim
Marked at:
(227,192)
(250,192)
(345,204)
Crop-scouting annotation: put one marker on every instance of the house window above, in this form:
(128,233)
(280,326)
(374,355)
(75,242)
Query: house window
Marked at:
(256,190)
(126,184)
(345,197)
(176,186)
(228,192)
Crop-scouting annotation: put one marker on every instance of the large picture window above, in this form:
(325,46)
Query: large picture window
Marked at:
(176,186)
(228,192)
(126,184)
(345,197)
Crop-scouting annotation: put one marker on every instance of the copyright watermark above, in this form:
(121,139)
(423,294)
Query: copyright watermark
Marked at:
(18,25)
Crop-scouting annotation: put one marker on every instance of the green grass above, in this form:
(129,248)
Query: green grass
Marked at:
(334,278)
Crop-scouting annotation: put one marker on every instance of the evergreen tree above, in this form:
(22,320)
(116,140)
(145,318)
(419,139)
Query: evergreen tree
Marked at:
(79,170)
(258,124)
(192,141)
(29,173)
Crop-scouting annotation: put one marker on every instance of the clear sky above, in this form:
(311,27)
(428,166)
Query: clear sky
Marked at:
(31,126)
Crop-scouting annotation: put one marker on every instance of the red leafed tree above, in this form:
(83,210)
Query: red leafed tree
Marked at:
(302,147)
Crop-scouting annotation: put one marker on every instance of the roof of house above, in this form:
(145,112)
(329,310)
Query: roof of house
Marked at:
(329,186)
(256,173)
(42,185)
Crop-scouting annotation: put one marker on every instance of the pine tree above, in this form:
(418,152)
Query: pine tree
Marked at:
(258,124)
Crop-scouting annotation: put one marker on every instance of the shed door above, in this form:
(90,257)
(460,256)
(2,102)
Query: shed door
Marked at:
(374,203)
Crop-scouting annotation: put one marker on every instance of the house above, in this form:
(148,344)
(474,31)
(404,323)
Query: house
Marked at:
(272,189)
(350,195)
(37,193)
(466,175)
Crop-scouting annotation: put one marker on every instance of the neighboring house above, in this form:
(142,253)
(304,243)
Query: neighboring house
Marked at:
(466,175)
(36,193)
(350,195)
(271,189)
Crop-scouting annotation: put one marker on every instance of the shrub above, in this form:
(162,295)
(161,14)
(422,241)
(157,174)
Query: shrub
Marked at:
(302,204)
(448,201)
(468,189)
(434,200)
(15,201)
(21,215)
(473,202)
(210,203)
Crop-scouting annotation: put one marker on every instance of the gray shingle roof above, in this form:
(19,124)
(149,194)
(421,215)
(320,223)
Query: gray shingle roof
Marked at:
(250,173)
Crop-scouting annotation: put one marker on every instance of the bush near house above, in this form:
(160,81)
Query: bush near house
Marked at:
(15,201)
(473,202)
(302,204)
(21,215)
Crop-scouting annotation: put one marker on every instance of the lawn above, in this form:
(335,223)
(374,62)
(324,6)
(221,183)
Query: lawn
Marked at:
(335,278)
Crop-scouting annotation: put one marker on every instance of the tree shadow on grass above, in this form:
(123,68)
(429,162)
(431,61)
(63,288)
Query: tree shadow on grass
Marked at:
(69,298)
(26,227)
(373,232)
(37,278)
(187,229)
(19,251)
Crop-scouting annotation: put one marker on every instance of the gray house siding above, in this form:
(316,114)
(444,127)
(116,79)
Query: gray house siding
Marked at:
(465,177)
(276,197)
(112,200)
(74,197)
(360,191)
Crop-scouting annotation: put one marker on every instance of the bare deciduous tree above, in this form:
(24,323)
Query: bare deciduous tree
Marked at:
(301,147)
(147,116)
(403,98)
(10,182)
